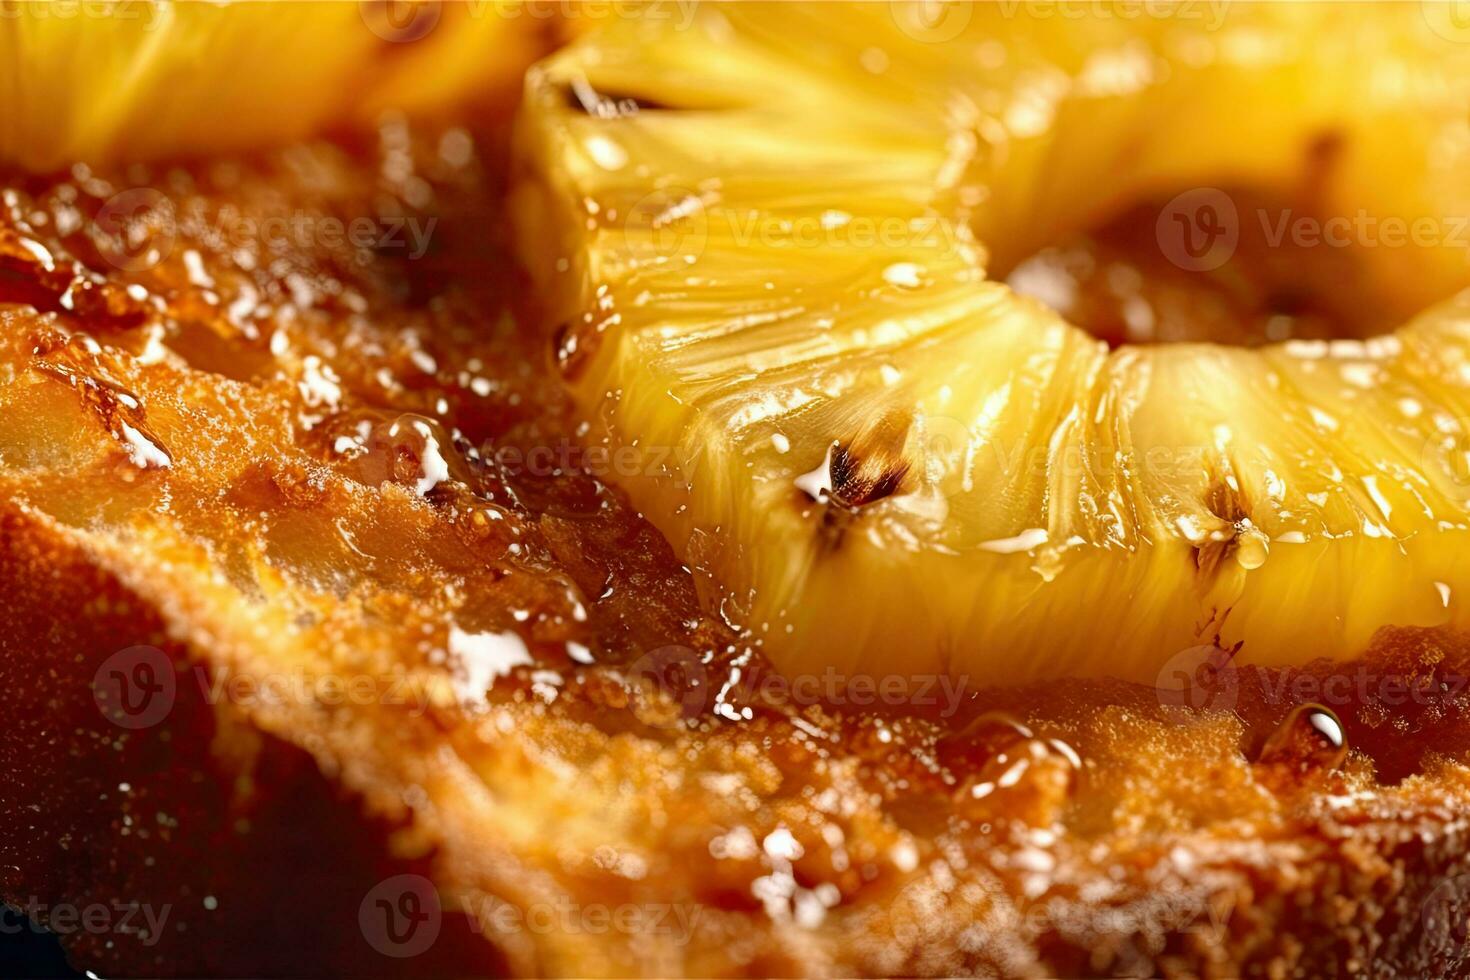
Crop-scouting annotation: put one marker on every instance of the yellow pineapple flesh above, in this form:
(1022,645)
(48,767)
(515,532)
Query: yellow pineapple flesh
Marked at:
(774,245)
(135,80)
(296,533)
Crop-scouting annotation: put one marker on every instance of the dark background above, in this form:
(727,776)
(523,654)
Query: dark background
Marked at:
(27,951)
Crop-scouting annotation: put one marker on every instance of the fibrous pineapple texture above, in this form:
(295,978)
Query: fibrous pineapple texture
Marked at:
(776,256)
(139,79)
(324,486)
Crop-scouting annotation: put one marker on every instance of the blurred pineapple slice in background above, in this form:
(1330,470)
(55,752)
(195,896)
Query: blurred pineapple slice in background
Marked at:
(134,80)
(776,274)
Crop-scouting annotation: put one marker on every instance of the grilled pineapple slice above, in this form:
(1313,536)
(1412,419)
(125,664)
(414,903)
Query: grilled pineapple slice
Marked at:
(769,242)
(139,79)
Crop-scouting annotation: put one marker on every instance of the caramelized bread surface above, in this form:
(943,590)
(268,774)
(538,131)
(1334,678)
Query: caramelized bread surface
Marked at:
(308,586)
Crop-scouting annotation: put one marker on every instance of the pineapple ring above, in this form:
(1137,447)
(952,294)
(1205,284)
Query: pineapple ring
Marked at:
(765,239)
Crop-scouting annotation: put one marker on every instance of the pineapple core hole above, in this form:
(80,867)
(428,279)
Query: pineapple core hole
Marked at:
(1226,266)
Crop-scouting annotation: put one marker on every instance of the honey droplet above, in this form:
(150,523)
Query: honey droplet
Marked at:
(1251,547)
(1307,743)
(1002,768)
(968,748)
(572,349)
(79,364)
(412,450)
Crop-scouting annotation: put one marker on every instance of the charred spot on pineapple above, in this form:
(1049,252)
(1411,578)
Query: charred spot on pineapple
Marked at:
(754,302)
(850,478)
(863,470)
(861,480)
(871,466)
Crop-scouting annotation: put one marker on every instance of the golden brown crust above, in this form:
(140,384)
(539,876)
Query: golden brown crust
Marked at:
(738,825)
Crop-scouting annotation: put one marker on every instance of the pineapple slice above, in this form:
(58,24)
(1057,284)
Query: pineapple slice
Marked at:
(766,242)
(140,79)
